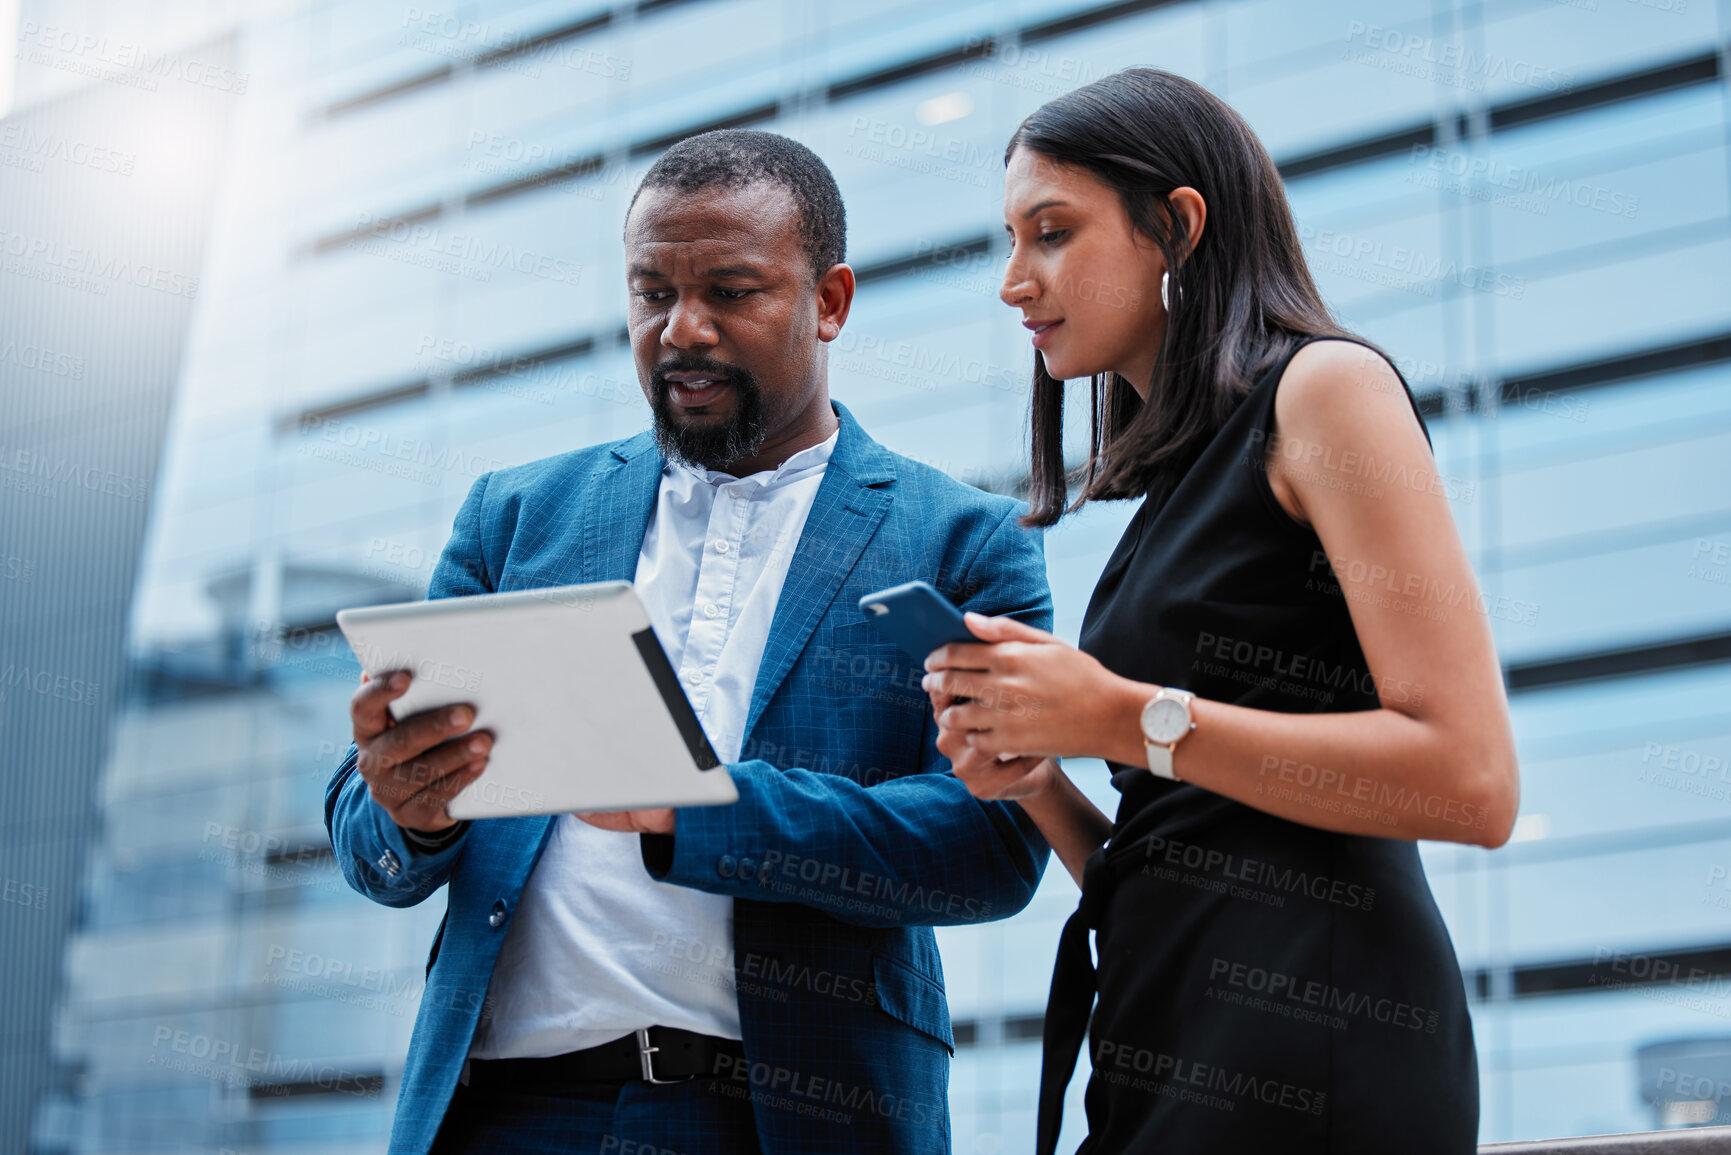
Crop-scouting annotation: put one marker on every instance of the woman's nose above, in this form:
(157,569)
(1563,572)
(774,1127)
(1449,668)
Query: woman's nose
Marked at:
(1017,288)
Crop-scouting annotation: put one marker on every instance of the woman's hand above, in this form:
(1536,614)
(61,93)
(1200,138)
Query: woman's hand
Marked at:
(993,780)
(1072,826)
(1030,695)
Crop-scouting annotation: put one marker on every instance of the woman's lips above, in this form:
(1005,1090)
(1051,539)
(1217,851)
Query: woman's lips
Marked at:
(1043,332)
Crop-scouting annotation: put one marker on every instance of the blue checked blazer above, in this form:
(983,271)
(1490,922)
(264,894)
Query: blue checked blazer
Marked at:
(850,840)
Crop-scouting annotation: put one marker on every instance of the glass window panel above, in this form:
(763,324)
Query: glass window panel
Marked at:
(1674,473)
(1581,312)
(1265,35)
(1586,41)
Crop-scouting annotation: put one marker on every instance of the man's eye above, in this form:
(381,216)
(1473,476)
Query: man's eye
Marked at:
(652,294)
(735,294)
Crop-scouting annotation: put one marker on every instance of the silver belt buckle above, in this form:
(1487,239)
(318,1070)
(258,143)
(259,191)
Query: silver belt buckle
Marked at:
(644,1051)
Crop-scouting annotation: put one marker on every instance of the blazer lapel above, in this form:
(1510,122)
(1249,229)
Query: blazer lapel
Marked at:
(845,514)
(619,504)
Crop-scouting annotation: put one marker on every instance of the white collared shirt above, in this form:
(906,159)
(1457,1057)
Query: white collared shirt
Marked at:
(598,948)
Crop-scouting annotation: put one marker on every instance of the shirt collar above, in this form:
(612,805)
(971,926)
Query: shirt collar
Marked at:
(801,465)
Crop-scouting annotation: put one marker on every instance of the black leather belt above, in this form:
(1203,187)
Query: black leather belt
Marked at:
(652,1054)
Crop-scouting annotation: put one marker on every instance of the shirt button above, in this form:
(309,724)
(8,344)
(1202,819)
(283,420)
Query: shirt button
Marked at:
(694,676)
(709,610)
(497,918)
(721,547)
(726,866)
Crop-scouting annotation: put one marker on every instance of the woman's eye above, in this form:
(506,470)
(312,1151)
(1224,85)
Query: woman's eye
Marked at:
(1054,236)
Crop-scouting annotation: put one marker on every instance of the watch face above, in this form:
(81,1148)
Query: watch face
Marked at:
(1164,721)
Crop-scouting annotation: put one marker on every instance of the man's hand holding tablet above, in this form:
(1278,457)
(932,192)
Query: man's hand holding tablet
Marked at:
(413,768)
(578,707)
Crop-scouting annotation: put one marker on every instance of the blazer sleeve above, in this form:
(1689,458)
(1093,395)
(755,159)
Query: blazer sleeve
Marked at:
(375,856)
(914,850)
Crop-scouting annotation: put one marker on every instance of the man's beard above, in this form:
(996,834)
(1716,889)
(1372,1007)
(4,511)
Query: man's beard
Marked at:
(711,445)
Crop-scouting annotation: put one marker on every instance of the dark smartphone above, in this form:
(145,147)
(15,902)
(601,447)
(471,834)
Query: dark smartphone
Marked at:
(917,618)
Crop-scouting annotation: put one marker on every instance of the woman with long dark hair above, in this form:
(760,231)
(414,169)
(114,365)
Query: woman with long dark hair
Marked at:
(1286,662)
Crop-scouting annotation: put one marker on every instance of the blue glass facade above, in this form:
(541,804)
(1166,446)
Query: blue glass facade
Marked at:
(413,275)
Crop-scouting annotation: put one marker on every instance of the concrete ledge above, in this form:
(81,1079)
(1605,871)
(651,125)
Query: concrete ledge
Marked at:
(1686,1141)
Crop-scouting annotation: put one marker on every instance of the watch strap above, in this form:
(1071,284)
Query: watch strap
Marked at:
(1160,761)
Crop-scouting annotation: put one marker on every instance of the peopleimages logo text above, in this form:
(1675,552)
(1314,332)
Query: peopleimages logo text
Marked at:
(1453,63)
(98,52)
(103,268)
(1301,668)
(1258,872)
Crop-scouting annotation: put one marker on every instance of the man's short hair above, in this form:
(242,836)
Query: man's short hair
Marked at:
(737,157)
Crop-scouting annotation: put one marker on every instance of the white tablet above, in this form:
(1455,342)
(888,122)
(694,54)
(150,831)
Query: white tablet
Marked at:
(585,709)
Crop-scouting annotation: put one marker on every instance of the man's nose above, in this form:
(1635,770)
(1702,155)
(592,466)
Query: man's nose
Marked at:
(689,326)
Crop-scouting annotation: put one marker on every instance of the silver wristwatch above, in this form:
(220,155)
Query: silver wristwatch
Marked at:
(1165,720)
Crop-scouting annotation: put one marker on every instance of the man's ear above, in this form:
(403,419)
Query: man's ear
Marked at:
(834,298)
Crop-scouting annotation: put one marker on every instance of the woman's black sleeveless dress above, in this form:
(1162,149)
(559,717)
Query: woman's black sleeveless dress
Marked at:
(1263,985)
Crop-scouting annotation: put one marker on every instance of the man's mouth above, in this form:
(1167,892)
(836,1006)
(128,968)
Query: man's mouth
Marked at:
(691,390)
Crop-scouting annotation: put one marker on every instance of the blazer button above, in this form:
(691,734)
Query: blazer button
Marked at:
(747,868)
(725,866)
(497,918)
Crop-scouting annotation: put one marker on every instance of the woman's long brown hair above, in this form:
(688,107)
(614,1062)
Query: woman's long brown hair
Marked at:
(1242,296)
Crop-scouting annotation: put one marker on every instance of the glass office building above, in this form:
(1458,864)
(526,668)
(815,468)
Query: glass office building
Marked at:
(413,275)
